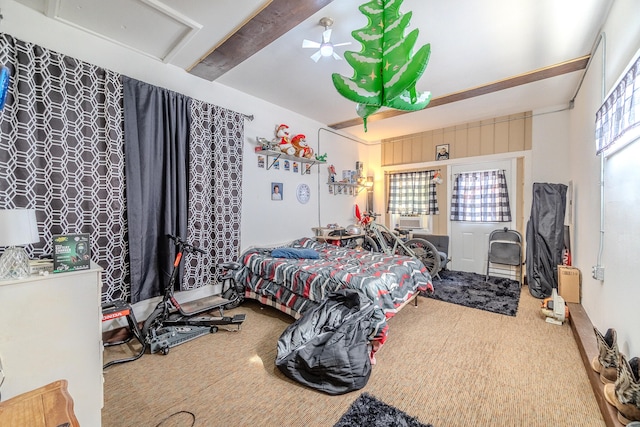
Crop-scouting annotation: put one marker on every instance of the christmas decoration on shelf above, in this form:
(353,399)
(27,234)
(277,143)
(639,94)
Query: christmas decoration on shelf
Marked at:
(385,70)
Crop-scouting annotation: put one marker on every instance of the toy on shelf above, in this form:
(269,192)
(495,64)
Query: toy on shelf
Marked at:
(299,142)
(283,140)
(321,158)
(332,173)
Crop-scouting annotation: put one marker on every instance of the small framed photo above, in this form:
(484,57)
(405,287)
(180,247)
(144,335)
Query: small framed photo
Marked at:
(261,162)
(287,165)
(442,152)
(295,167)
(276,191)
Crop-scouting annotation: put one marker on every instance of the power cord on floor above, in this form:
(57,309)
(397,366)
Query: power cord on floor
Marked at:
(193,422)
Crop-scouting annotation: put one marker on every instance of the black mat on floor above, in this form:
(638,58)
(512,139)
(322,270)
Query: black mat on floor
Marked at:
(368,411)
(497,295)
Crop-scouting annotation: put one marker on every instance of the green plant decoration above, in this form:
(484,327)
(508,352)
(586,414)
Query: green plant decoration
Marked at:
(385,70)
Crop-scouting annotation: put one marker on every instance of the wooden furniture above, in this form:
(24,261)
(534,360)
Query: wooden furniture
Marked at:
(52,329)
(49,405)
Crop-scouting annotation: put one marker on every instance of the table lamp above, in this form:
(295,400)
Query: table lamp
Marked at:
(17,227)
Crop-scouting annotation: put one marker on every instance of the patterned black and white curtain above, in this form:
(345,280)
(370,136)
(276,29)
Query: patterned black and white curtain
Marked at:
(413,193)
(215,190)
(480,197)
(62,154)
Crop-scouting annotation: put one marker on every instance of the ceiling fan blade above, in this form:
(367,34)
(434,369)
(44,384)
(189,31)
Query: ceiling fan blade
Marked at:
(309,43)
(342,44)
(326,36)
(337,57)
(316,56)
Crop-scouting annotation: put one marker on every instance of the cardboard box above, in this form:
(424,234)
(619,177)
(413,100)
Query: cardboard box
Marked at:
(569,281)
(71,252)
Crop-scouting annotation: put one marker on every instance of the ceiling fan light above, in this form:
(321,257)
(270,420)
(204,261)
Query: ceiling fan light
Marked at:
(326,49)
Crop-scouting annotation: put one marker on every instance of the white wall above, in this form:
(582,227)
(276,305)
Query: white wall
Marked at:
(264,221)
(612,303)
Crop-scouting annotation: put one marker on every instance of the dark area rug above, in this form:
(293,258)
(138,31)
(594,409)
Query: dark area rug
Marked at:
(497,295)
(368,411)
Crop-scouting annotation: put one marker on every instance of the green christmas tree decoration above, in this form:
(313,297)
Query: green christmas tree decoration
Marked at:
(386,69)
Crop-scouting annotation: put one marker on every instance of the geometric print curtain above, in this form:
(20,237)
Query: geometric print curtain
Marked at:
(62,154)
(413,193)
(480,197)
(619,116)
(215,190)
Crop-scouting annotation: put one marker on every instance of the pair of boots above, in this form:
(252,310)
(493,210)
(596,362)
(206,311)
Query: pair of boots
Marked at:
(621,377)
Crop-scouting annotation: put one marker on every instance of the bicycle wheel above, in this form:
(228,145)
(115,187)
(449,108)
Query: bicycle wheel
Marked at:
(369,244)
(235,298)
(425,252)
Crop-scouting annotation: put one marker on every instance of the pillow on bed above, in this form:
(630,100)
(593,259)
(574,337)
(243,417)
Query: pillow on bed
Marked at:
(295,253)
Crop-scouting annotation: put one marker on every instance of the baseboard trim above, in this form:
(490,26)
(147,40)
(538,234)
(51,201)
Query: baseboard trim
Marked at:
(584,335)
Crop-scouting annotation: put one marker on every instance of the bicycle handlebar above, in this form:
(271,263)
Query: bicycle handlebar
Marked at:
(186,246)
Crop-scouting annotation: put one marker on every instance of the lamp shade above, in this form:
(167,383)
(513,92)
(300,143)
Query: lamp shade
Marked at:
(18,227)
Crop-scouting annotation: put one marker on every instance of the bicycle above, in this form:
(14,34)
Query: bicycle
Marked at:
(171,323)
(379,238)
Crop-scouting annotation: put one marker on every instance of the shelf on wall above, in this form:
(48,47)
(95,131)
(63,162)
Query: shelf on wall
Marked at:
(277,155)
(343,188)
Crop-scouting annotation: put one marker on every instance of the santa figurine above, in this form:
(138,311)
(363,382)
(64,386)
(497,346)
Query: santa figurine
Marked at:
(283,140)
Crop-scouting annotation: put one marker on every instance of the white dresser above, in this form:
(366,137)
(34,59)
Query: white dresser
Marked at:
(51,329)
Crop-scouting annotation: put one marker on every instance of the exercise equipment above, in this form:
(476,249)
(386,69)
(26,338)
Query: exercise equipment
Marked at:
(173,323)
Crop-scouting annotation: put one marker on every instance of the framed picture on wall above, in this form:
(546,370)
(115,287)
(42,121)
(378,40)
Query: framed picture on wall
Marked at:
(442,152)
(276,191)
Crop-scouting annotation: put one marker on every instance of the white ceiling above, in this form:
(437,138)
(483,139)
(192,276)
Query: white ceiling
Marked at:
(473,43)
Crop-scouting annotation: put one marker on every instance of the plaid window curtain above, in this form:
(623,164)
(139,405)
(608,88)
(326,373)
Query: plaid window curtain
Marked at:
(412,193)
(480,197)
(620,113)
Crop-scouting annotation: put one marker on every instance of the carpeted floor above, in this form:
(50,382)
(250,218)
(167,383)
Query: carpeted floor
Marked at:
(497,295)
(444,364)
(367,411)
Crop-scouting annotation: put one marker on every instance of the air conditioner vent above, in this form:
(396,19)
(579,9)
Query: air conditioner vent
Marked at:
(410,221)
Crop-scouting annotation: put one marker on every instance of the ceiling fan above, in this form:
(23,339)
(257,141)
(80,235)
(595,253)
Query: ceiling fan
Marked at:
(326,48)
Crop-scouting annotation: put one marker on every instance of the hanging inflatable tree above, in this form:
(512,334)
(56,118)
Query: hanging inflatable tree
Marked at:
(385,70)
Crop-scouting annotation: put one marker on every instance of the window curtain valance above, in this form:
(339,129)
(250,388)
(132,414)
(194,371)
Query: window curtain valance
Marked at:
(413,193)
(480,197)
(620,113)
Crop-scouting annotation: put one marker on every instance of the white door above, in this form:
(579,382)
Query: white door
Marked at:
(470,240)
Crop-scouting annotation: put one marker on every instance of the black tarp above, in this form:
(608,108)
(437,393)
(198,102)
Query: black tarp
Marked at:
(328,348)
(545,238)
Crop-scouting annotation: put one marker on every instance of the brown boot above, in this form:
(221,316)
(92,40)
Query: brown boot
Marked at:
(625,393)
(607,360)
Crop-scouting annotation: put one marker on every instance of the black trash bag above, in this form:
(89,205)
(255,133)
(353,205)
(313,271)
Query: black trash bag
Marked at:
(328,348)
(545,238)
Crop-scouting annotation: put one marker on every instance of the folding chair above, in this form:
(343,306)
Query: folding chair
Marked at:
(505,254)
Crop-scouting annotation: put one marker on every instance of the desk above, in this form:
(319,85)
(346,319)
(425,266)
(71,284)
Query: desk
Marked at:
(49,405)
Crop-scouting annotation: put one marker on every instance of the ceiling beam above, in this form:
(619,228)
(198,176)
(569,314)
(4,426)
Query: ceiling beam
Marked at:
(274,20)
(521,79)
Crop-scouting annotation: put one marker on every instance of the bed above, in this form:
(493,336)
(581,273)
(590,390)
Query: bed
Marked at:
(294,285)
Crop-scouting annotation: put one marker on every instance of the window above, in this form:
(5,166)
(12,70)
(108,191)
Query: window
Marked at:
(618,120)
(412,193)
(480,197)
